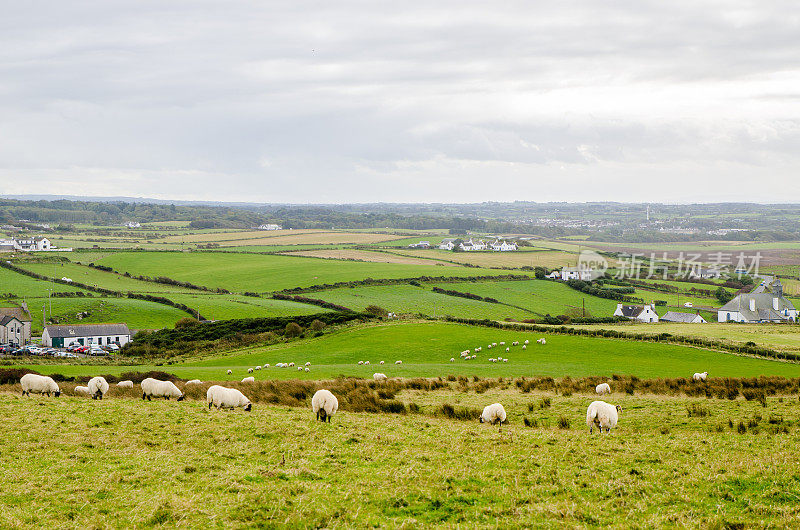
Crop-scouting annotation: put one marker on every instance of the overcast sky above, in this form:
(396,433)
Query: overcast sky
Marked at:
(348,101)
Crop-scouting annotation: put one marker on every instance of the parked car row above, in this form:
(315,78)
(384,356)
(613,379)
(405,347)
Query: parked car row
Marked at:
(70,352)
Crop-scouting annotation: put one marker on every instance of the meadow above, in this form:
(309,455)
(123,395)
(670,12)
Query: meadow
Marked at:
(121,462)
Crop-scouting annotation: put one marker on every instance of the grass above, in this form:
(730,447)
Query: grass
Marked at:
(229,306)
(544,258)
(261,273)
(24,286)
(365,255)
(426,348)
(123,463)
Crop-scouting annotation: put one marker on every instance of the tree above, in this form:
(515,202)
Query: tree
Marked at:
(377,311)
(186,322)
(293,329)
(317,325)
(723,296)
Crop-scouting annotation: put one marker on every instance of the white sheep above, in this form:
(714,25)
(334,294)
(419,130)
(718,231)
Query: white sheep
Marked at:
(307,369)
(291,365)
(398,362)
(494,344)
(82,390)
(226,398)
(249,380)
(700,377)
(508,350)
(366,363)
(541,341)
(381,362)
(125,384)
(154,388)
(98,387)
(452,359)
(258,367)
(324,404)
(489,346)
(493,414)
(39,384)
(526,341)
(379,377)
(603,388)
(230,372)
(524,347)
(502,344)
(249,370)
(515,343)
(505,360)
(308,363)
(266,365)
(360,363)
(194,382)
(602,415)
(299,368)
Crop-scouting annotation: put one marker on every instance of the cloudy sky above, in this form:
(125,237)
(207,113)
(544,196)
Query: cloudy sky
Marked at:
(417,101)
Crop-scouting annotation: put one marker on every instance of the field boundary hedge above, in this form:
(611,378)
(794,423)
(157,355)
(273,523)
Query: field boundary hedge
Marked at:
(371,282)
(312,301)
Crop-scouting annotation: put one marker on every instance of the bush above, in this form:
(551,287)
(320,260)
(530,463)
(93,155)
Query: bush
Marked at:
(186,322)
(376,311)
(317,325)
(293,329)
(563,422)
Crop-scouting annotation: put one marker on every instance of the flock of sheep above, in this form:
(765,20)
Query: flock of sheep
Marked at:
(469,355)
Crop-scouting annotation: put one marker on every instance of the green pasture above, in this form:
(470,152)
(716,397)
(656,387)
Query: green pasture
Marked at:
(25,287)
(262,273)
(229,306)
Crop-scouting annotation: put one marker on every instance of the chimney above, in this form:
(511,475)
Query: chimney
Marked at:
(752,304)
(775,303)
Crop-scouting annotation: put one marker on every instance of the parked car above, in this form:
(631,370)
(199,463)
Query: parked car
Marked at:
(112,347)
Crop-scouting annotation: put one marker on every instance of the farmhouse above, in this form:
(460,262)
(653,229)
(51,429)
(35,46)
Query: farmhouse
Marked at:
(421,244)
(690,318)
(469,246)
(704,274)
(15,326)
(62,336)
(28,244)
(133,224)
(447,244)
(270,227)
(497,246)
(579,273)
(646,313)
(555,275)
(759,307)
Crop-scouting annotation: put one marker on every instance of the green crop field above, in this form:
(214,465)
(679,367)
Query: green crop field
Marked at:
(405,299)
(227,306)
(426,349)
(121,462)
(262,273)
(26,287)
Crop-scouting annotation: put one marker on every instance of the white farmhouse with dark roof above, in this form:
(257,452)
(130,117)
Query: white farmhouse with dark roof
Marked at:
(447,244)
(15,326)
(768,306)
(62,336)
(645,313)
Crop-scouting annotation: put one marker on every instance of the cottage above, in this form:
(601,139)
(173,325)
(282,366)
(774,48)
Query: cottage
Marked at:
(579,273)
(62,336)
(555,275)
(447,244)
(270,227)
(689,318)
(704,274)
(503,246)
(421,244)
(767,306)
(15,325)
(646,313)
(133,224)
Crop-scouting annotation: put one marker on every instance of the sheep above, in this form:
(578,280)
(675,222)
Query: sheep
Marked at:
(307,369)
(230,372)
(360,363)
(505,360)
(379,376)
(154,388)
(266,365)
(494,344)
(452,359)
(515,343)
(291,365)
(398,362)
(308,363)
(226,398)
(324,404)
(700,377)
(82,390)
(39,384)
(508,350)
(526,341)
(258,367)
(249,370)
(502,344)
(493,414)
(366,363)
(524,347)
(249,380)
(602,415)
(299,368)
(98,387)
(603,388)
(125,384)
(489,346)
(194,382)
(381,362)
(542,341)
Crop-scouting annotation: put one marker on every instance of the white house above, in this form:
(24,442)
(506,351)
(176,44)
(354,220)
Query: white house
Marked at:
(690,318)
(270,227)
(62,336)
(555,275)
(133,224)
(504,246)
(447,244)
(421,244)
(579,273)
(704,274)
(469,246)
(15,326)
(646,313)
(759,307)
(29,244)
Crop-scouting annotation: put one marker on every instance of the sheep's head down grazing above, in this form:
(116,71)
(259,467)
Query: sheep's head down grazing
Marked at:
(248,407)
(182,397)
(57,393)
(619,409)
(480,418)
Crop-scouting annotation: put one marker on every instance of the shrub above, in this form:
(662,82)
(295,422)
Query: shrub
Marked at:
(695,410)
(317,325)
(563,422)
(544,403)
(293,329)
(376,311)
(186,322)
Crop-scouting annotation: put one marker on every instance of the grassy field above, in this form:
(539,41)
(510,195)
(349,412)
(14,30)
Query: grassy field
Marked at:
(365,255)
(282,237)
(544,258)
(261,273)
(227,306)
(124,463)
(25,286)
(426,348)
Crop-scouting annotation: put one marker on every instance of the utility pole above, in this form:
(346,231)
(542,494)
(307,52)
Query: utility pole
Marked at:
(584,307)
(44,315)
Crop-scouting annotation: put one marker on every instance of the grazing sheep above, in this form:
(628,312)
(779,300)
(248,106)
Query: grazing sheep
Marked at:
(308,364)
(398,362)
(366,363)
(526,341)
(379,377)
(452,359)
(194,382)
(299,368)
(508,350)
(125,384)
(230,372)
(493,414)
(515,343)
(249,370)
(494,344)
(266,366)
(154,388)
(700,377)
(381,362)
(489,346)
(98,387)
(258,367)
(249,380)
(524,347)
(39,384)
(226,398)
(603,388)
(602,415)
(505,360)
(291,365)
(360,362)
(82,390)
(324,404)
(542,341)
(307,369)
(502,344)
